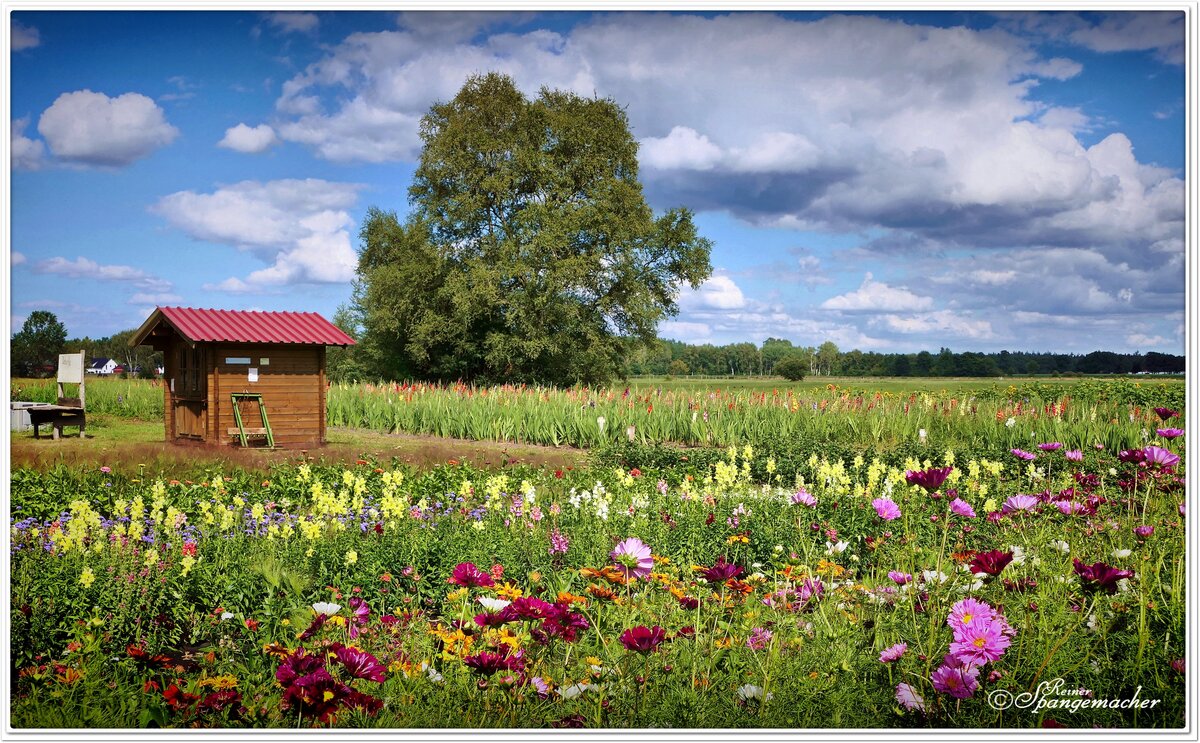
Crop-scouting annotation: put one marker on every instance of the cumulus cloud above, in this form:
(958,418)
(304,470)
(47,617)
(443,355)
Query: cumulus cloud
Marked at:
(876,296)
(942,323)
(86,268)
(293,22)
(884,124)
(299,227)
(24,37)
(90,128)
(16,258)
(242,138)
(27,154)
(718,292)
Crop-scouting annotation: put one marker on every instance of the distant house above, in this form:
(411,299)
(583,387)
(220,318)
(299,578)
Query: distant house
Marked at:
(102,366)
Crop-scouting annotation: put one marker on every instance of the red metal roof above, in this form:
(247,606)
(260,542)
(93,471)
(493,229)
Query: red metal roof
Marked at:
(241,326)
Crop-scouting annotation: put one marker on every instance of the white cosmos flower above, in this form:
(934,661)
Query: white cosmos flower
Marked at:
(492,604)
(1121,553)
(575,690)
(431,672)
(226,615)
(750,691)
(1061,546)
(326,608)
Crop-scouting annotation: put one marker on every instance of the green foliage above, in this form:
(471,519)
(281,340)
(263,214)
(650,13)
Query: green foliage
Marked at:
(36,347)
(531,254)
(792,368)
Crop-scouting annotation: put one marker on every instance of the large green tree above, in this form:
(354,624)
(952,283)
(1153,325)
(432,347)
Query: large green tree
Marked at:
(38,344)
(530,252)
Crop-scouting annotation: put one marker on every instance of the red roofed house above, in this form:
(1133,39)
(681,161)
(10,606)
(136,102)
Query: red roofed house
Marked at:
(211,355)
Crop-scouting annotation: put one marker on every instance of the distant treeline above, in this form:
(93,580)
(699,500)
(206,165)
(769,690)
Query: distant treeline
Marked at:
(676,358)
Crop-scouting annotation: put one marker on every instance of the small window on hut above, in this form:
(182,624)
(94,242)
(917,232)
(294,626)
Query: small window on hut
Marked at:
(191,372)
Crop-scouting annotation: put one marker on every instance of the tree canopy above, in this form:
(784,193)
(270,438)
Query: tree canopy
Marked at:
(38,344)
(530,253)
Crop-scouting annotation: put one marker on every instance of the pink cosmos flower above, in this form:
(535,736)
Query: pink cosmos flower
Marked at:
(1161,457)
(961,508)
(632,557)
(759,638)
(1022,454)
(1169,433)
(978,643)
(1019,502)
(1074,455)
(1069,507)
(1144,531)
(969,610)
(909,698)
(1051,446)
(803,497)
(894,653)
(360,664)
(959,683)
(886,508)
(900,578)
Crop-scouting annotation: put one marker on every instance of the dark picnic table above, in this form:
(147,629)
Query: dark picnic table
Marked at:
(57,416)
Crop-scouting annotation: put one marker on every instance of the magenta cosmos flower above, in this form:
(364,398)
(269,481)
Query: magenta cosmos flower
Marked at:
(1050,446)
(900,578)
(968,611)
(894,653)
(1074,455)
(1165,413)
(642,639)
(467,575)
(1144,531)
(1169,433)
(1019,502)
(980,642)
(360,664)
(486,663)
(959,683)
(960,507)
(1028,456)
(632,557)
(930,479)
(1160,456)
(886,508)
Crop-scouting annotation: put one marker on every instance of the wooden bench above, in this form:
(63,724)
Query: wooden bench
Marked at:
(258,433)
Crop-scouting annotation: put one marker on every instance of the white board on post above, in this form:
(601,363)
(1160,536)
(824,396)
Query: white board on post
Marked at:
(70,368)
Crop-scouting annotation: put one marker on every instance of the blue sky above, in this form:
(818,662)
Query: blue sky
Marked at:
(889,181)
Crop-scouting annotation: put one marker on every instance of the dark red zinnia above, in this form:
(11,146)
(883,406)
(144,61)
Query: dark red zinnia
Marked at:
(466,574)
(721,571)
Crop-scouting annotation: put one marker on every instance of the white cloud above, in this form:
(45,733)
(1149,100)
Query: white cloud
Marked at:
(1148,342)
(683,148)
(688,332)
(876,296)
(299,227)
(941,323)
(992,278)
(16,258)
(27,154)
(718,292)
(92,129)
(292,22)
(86,268)
(24,37)
(158,300)
(242,138)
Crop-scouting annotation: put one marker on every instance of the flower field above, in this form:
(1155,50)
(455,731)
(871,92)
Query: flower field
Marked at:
(911,587)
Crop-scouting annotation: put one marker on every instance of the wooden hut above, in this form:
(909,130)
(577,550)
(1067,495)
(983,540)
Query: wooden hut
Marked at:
(216,360)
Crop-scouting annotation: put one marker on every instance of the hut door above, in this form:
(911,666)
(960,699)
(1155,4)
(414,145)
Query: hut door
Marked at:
(191,405)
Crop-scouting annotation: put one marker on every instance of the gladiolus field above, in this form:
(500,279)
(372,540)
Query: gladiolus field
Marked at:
(796,558)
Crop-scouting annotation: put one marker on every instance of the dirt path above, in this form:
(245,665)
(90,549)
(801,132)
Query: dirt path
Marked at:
(130,444)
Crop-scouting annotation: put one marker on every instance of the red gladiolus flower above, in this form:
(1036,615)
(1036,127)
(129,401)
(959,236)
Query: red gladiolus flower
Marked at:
(991,563)
(643,639)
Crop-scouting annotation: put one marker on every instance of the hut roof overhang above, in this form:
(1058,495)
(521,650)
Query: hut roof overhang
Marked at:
(242,326)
